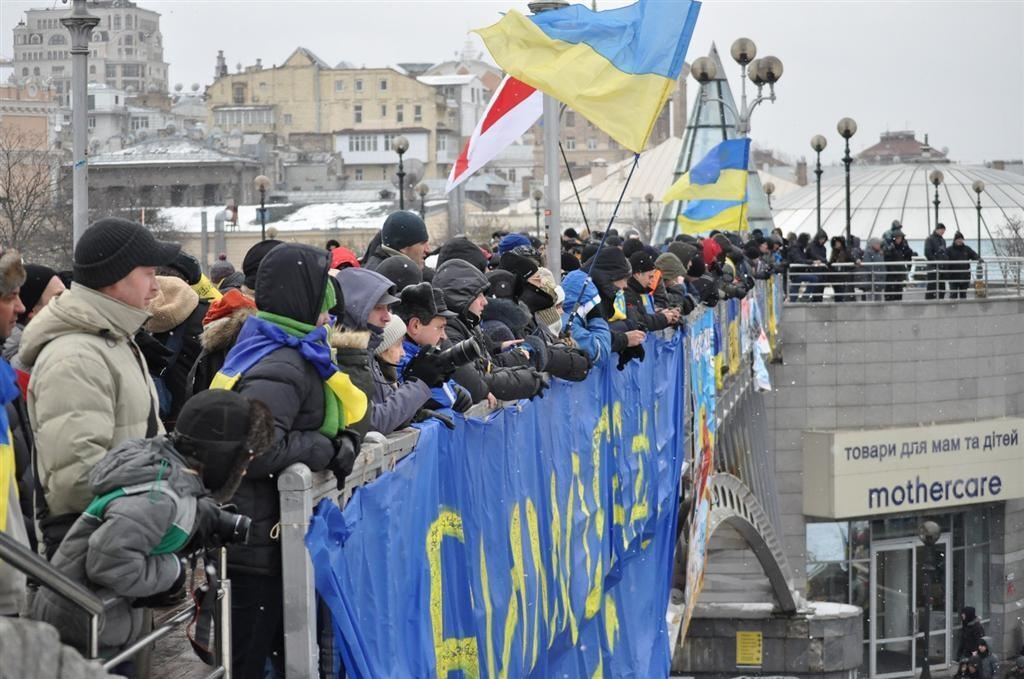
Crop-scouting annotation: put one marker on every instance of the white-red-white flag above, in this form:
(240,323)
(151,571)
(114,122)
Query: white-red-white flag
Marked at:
(514,107)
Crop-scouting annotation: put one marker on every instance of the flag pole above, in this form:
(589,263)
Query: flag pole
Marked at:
(553,189)
(579,202)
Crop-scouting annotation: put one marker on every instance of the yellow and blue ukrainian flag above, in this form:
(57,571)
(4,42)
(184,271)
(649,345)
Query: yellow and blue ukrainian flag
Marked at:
(617,67)
(716,190)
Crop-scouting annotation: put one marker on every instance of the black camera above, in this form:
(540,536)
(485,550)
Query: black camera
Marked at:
(219,526)
(457,355)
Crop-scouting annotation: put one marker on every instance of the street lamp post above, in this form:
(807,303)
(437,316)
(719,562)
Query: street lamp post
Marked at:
(538,196)
(818,143)
(979,187)
(80,24)
(423,190)
(401,145)
(649,197)
(847,127)
(936,178)
(929,532)
(262,183)
(769,189)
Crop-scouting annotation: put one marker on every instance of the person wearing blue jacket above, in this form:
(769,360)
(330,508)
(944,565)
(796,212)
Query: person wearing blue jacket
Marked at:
(582,319)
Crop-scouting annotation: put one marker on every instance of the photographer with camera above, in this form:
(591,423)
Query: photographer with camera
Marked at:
(426,315)
(155,502)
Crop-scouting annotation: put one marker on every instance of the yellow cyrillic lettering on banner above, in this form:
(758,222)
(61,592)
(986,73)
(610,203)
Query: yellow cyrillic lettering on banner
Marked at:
(453,654)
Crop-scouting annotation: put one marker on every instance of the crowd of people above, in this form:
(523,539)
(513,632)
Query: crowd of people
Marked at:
(143,396)
(876,273)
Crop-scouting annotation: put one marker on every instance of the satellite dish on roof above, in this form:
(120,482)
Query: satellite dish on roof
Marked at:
(414,169)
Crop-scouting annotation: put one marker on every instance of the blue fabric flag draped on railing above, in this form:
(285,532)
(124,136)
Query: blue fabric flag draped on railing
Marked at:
(536,543)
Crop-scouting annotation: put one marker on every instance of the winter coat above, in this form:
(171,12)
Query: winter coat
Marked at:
(90,390)
(14,525)
(293,390)
(113,557)
(637,309)
(381,253)
(816,251)
(10,352)
(504,374)
(971,634)
(935,248)
(588,330)
(988,665)
(504,320)
(32,650)
(216,341)
(177,324)
(960,258)
(897,252)
(392,406)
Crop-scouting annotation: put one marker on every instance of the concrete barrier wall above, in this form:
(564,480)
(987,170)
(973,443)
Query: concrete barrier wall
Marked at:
(878,366)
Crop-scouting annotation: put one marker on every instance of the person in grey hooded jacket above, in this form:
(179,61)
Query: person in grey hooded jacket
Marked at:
(368,296)
(155,500)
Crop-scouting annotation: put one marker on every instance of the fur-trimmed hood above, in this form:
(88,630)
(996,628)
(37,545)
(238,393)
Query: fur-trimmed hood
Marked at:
(220,335)
(12,271)
(349,339)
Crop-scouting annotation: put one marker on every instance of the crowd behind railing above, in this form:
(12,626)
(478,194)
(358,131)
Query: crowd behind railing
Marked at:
(153,409)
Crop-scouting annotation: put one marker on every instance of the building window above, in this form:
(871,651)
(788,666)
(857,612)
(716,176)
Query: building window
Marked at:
(357,112)
(570,143)
(117,22)
(612,144)
(287,118)
(339,85)
(417,113)
(383,110)
(133,71)
(57,39)
(359,85)
(362,142)
(238,93)
(92,69)
(442,142)
(359,174)
(570,119)
(512,175)
(24,71)
(399,113)
(591,144)
(389,139)
(383,84)
(92,122)
(140,123)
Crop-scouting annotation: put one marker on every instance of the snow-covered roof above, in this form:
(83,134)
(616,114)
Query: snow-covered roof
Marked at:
(166,151)
(327,216)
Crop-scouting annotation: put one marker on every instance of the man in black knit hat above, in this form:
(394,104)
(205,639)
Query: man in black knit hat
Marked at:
(90,388)
(403,233)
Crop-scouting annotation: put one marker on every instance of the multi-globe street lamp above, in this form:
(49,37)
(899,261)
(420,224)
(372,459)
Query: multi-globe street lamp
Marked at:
(262,183)
(423,190)
(761,72)
(979,187)
(936,179)
(538,196)
(401,145)
(847,127)
(818,143)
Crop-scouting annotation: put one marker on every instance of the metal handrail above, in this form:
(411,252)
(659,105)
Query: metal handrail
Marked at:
(31,564)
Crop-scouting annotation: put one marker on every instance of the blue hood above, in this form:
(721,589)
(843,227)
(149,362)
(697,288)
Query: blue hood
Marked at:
(573,283)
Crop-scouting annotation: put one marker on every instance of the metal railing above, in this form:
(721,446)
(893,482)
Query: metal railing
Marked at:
(300,490)
(31,564)
(914,280)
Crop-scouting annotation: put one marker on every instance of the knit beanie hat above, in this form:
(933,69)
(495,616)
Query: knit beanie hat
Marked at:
(641,261)
(511,241)
(393,333)
(402,229)
(957,236)
(112,247)
(504,284)
(172,306)
(221,269)
(631,246)
(462,248)
(401,271)
(520,265)
(37,277)
(569,262)
(670,267)
(252,259)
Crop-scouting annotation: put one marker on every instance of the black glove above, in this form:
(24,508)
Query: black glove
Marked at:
(425,414)
(173,595)
(425,367)
(543,382)
(628,354)
(688,304)
(346,450)
(188,266)
(538,352)
(463,399)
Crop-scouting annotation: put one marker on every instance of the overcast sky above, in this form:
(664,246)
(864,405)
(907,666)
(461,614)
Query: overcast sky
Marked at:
(953,69)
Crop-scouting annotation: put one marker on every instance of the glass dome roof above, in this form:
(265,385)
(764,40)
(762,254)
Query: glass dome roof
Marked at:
(882,193)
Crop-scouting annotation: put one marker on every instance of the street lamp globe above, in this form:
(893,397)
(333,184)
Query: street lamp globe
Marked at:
(703,70)
(423,190)
(929,532)
(754,72)
(401,145)
(935,177)
(262,183)
(769,188)
(847,127)
(649,198)
(819,142)
(538,195)
(978,186)
(743,51)
(769,69)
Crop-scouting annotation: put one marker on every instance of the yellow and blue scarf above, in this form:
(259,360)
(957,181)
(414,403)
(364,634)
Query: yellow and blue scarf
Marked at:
(344,402)
(8,392)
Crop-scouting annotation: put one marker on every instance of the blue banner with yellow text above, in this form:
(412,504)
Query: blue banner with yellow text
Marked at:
(536,543)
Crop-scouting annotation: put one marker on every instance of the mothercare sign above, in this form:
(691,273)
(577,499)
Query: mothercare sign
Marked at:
(865,473)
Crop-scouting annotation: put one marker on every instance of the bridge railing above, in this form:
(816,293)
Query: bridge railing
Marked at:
(301,489)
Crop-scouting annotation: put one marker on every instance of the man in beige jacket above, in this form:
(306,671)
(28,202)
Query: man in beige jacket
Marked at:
(90,388)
